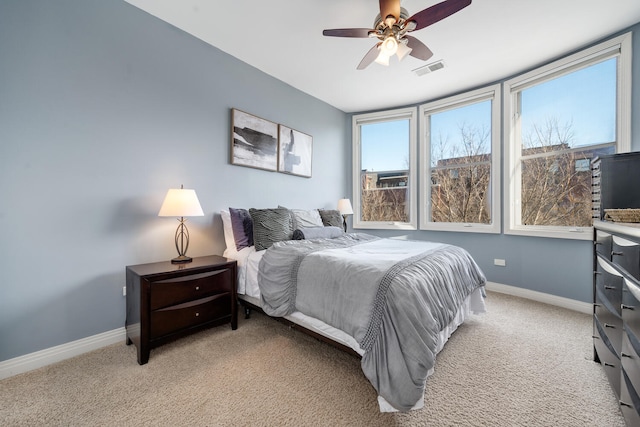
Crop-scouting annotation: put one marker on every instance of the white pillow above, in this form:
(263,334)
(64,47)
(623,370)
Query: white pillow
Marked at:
(228,233)
(305,219)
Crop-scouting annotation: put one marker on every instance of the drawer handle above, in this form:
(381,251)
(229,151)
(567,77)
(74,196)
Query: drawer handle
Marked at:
(609,365)
(625,404)
(595,337)
(616,253)
(609,287)
(606,325)
(197,314)
(197,288)
(626,355)
(627,307)
(597,272)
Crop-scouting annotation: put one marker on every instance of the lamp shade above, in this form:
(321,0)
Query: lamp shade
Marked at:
(181,202)
(344,206)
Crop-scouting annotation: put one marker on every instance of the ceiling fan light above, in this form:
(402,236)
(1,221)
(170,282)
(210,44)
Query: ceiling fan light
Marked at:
(389,46)
(403,51)
(382,59)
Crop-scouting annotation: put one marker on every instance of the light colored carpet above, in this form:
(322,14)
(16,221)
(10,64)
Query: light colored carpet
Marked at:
(521,364)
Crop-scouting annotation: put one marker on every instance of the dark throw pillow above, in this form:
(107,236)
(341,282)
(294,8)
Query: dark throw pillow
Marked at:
(242,226)
(331,218)
(270,226)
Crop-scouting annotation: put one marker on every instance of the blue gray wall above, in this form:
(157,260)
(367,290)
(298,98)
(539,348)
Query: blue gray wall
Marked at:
(554,266)
(102,109)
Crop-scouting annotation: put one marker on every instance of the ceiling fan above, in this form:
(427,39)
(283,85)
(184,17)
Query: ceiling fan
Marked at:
(391,27)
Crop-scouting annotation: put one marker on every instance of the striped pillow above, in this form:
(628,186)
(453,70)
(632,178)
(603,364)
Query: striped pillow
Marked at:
(270,226)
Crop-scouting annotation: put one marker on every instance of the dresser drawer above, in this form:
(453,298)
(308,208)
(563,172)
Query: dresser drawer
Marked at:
(603,244)
(611,324)
(630,358)
(179,317)
(626,254)
(609,284)
(608,358)
(187,288)
(631,306)
(629,401)
(610,328)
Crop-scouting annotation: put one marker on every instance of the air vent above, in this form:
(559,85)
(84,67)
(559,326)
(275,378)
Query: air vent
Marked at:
(429,68)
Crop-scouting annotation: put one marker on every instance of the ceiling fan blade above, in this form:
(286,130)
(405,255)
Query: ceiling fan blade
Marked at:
(348,32)
(418,49)
(369,57)
(389,7)
(437,12)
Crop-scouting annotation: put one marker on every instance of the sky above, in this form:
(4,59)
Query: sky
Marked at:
(585,98)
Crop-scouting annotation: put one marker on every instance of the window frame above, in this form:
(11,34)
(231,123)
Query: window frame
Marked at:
(378,117)
(492,93)
(619,47)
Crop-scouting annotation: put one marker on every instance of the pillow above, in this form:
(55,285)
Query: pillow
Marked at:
(228,231)
(303,218)
(242,226)
(270,226)
(331,218)
(317,233)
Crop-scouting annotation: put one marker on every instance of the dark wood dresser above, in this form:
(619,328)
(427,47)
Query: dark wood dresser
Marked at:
(616,311)
(166,301)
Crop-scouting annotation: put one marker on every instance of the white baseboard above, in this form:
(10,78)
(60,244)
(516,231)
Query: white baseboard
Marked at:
(571,304)
(38,359)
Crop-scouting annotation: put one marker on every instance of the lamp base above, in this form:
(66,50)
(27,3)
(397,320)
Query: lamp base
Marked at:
(181,259)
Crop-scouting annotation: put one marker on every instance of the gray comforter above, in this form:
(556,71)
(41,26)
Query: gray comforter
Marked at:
(392,296)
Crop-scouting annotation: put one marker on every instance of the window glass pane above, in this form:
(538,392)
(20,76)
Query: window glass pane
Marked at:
(565,122)
(573,110)
(384,171)
(460,154)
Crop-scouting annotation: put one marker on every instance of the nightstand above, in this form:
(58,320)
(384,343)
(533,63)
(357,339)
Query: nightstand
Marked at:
(166,301)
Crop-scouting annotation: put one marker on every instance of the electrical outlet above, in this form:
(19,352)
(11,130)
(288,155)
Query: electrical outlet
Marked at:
(124,291)
(499,262)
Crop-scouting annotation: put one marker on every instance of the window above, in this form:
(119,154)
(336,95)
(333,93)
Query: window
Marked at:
(557,118)
(460,162)
(384,164)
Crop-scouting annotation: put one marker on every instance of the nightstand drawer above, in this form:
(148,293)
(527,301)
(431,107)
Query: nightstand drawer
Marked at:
(187,288)
(179,317)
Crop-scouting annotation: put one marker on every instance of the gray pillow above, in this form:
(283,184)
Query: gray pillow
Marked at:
(270,226)
(331,218)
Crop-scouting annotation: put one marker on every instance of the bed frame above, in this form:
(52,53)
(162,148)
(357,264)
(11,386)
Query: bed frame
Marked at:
(248,307)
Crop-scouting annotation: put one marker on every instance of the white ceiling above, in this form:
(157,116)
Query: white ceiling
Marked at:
(483,43)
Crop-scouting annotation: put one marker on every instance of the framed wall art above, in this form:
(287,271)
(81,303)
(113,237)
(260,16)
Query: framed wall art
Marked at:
(294,152)
(254,141)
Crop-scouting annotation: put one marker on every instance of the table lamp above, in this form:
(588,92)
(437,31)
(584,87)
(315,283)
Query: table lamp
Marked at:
(180,203)
(344,206)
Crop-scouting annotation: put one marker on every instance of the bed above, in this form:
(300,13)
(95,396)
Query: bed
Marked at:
(392,302)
